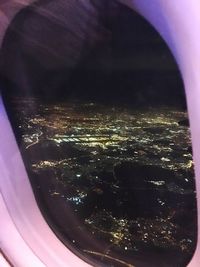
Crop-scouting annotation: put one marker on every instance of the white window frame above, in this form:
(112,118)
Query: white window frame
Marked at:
(25,237)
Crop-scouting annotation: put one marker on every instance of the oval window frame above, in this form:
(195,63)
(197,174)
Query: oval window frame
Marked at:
(178,23)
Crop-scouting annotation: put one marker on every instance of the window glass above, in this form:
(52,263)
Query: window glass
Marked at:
(98,108)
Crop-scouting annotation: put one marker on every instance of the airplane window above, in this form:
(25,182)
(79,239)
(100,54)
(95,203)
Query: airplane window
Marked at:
(98,108)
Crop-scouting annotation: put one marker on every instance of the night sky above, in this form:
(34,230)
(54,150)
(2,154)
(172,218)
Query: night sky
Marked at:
(136,67)
(121,59)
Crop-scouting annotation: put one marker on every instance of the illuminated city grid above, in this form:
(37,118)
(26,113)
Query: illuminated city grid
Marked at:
(107,137)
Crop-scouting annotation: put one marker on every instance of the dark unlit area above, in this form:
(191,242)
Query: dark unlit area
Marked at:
(100,52)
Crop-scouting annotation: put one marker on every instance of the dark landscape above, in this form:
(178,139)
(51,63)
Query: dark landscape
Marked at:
(117,183)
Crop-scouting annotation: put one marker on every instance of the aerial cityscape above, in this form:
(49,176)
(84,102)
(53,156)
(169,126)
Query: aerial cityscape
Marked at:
(126,175)
(97,103)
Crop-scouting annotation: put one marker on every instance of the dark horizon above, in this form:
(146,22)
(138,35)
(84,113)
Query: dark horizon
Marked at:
(130,63)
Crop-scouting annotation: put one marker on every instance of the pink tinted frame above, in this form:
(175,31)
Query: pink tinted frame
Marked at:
(25,237)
